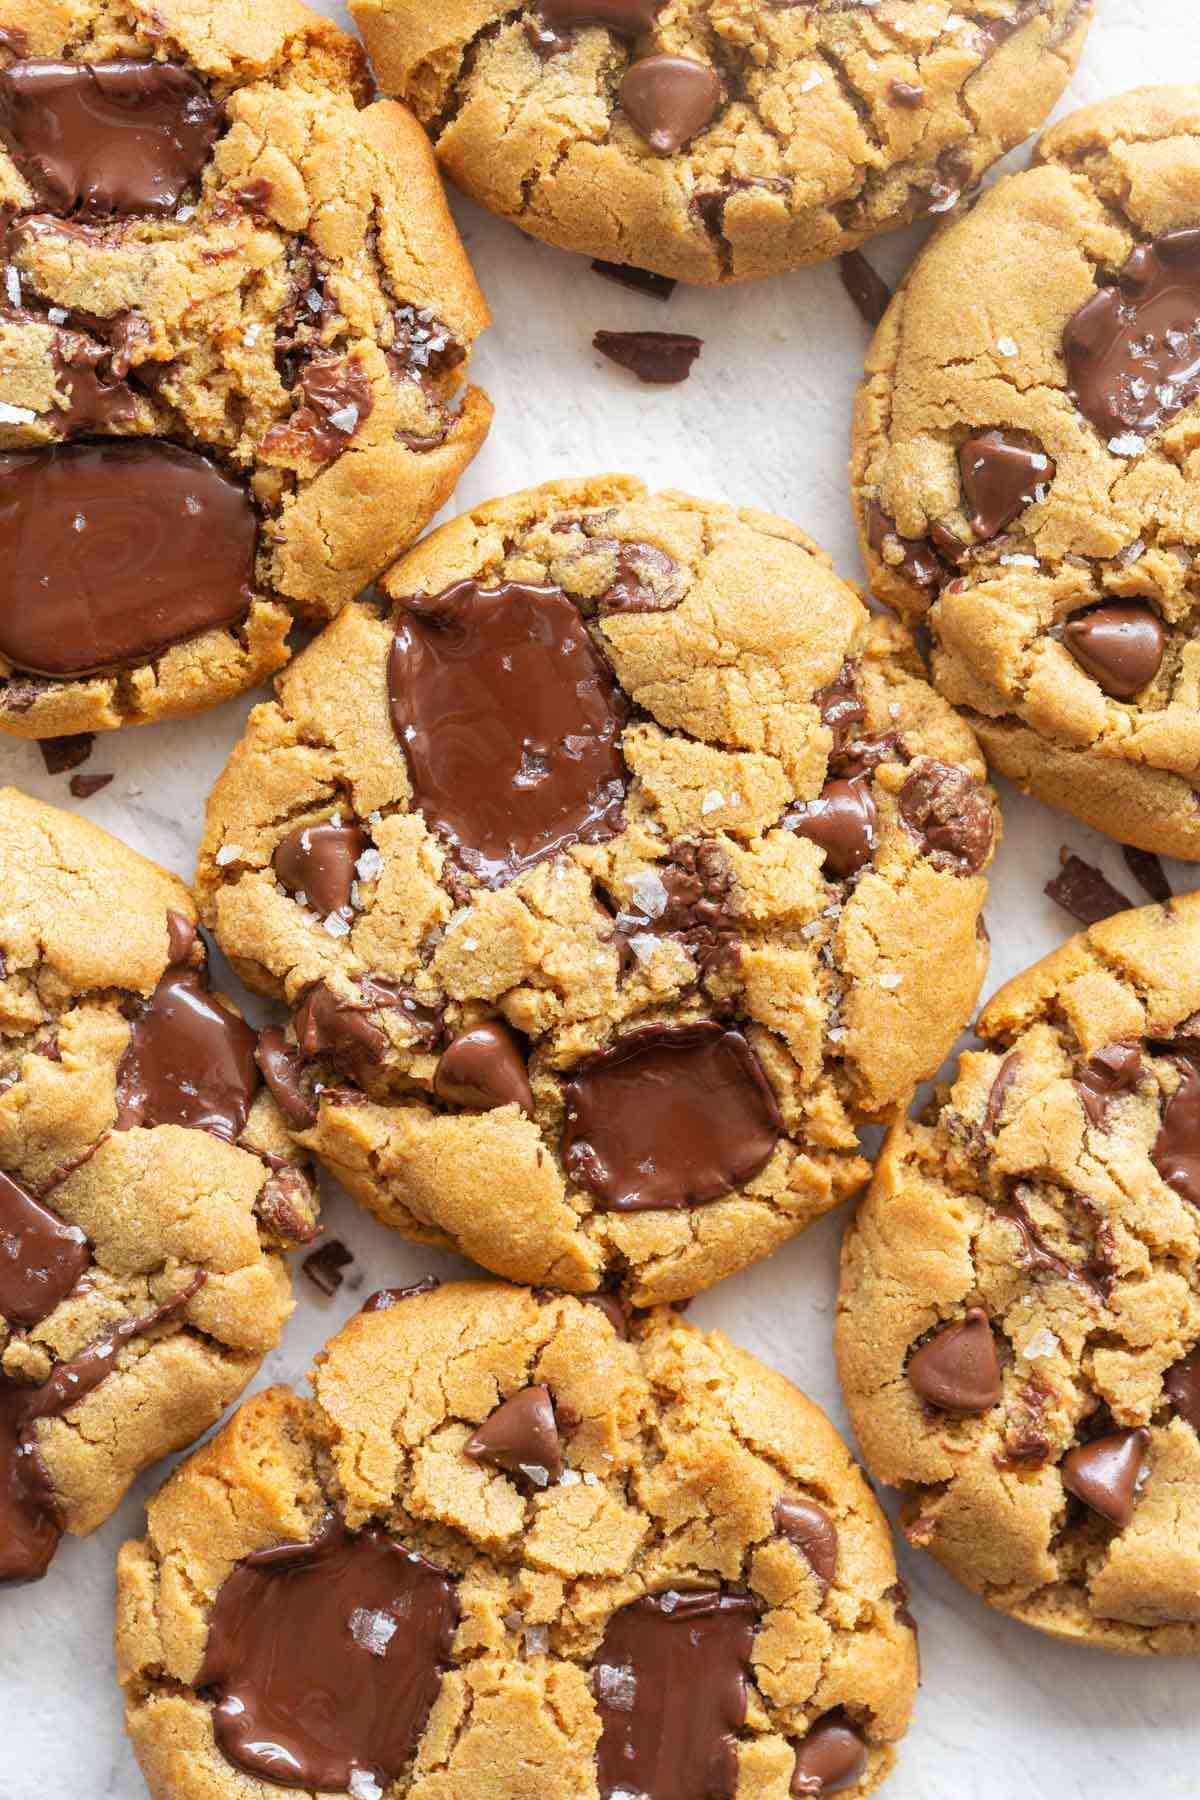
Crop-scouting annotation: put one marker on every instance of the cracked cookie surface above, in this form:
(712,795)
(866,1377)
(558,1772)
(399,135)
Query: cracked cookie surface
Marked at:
(1018,1328)
(239,281)
(672,1474)
(625,809)
(148,1186)
(1024,466)
(713,140)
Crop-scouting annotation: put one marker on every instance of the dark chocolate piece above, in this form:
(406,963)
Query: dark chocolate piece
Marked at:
(1133,350)
(865,286)
(841,821)
(686,898)
(341,1030)
(657,357)
(82,787)
(811,1529)
(484,1067)
(1111,1072)
(190,1061)
(282,1068)
(1080,889)
(41,1257)
(1181,1384)
(324,1265)
(385,1298)
(950,815)
(1121,646)
(642,281)
(628,18)
(831,1758)
(612,1309)
(669,99)
(337,401)
(1006,1074)
(318,861)
(920,563)
(1148,872)
(1176,1152)
(1001,476)
(62,753)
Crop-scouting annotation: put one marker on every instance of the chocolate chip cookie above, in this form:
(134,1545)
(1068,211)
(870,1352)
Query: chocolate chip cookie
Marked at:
(509,1532)
(1022,475)
(718,139)
(1019,1323)
(148,1187)
(234,321)
(615,869)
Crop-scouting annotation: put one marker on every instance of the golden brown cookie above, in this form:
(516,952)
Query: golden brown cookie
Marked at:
(718,139)
(239,282)
(1022,466)
(1019,1323)
(148,1187)
(514,1532)
(621,808)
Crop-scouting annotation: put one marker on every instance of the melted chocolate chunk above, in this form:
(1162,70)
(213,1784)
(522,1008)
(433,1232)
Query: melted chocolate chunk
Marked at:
(1104,1473)
(657,357)
(641,281)
(511,723)
(484,1067)
(104,140)
(1181,1384)
(669,99)
(1148,872)
(1006,1074)
(668,1116)
(385,1298)
(1001,476)
(1093,1273)
(957,1369)
(831,1758)
(1113,1071)
(190,1062)
(325,1658)
(1121,646)
(686,898)
(41,1257)
(341,1030)
(840,707)
(112,552)
(282,1068)
(1176,1152)
(865,286)
(97,402)
(632,589)
(1133,350)
(811,1529)
(949,814)
(324,1265)
(318,861)
(920,563)
(521,1436)
(1080,889)
(670,1683)
(841,821)
(337,401)
(62,753)
(628,18)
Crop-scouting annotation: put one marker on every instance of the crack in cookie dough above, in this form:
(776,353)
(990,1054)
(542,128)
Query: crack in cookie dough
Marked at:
(284,303)
(1019,1316)
(803,131)
(143,1277)
(666,811)
(1063,610)
(687,1469)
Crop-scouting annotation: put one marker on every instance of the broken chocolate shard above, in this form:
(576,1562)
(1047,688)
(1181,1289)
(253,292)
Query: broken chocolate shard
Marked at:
(659,358)
(865,286)
(1084,892)
(62,753)
(1148,872)
(521,1437)
(641,281)
(324,1265)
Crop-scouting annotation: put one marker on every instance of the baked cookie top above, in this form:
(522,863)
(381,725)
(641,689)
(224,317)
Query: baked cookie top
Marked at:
(620,807)
(625,1553)
(148,1187)
(240,283)
(1019,1322)
(718,139)
(1022,466)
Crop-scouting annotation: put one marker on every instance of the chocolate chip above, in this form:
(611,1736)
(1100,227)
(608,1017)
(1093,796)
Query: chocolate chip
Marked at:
(385,1298)
(511,724)
(101,140)
(1181,1384)
(1001,476)
(919,562)
(337,402)
(841,821)
(628,18)
(957,1369)
(948,812)
(1133,350)
(282,1068)
(41,1257)
(62,753)
(190,1061)
(1176,1152)
(811,1529)
(670,1684)
(112,552)
(1148,872)
(830,1758)
(656,357)
(669,99)
(1104,1473)
(324,1265)
(1080,889)
(82,787)
(865,286)
(1121,646)
(319,861)
(520,1436)
(1006,1074)
(642,281)
(484,1067)
(342,1030)
(1115,1070)
(325,1658)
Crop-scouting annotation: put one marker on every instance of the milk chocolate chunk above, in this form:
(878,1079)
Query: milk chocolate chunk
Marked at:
(318,861)
(511,723)
(484,1067)
(181,937)
(1176,1152)
(1113,1071)
(658,357)
(282,1068)
(190,1062)
(628,18)
(670,1685)
(41,1257)
(669,1116)
(1133,350)
(337,401)
(30,1525)
(1181,1383)
(521,1436)
(1121,646)
(342,1030)
(1148,872)
(841,821)
(811,1529)
(96,401)
(1104,1474)
(669,99)
(948,812)
(1001,476)
(112,552)
(324,1659)
(957,1370)
(831,1758)
(105,140)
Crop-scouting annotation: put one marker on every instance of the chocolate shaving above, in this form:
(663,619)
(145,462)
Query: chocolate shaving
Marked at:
(62,753)
(642,281)
(324,1265)
(1148,872)
(84,786)
(657,357)
(1080,889)
(865,286)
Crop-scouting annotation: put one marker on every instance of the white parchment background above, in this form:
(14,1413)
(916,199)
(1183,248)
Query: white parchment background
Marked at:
(762,421)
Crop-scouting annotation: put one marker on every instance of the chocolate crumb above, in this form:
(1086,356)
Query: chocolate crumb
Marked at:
(865,286)
(324,1265)
(1080,889)
(642,281)
(1148,872)
(62,753)
(84,786)
(658,357)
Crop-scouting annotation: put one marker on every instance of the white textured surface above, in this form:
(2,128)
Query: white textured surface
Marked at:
(762,421)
